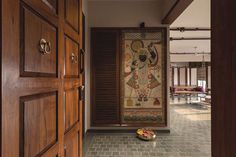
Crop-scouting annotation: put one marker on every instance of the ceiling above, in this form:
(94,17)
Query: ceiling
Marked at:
(197,15)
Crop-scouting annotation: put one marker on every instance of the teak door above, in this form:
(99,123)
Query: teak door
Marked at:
(41,78)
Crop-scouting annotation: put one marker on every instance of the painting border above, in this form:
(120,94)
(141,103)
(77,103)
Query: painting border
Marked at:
(163,30)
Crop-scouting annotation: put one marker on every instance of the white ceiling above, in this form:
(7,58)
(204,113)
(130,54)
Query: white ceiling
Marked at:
(196,15)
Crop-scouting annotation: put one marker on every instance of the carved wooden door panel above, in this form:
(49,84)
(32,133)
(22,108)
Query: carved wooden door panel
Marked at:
(41,107)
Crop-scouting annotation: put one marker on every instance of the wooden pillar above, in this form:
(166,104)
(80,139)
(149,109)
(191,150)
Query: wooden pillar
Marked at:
(178,76)
(186,76)
(223,48)
(207,77)
(190,76)
(172,76)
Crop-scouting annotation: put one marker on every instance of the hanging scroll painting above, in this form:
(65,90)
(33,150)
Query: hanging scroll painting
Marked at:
(143,75)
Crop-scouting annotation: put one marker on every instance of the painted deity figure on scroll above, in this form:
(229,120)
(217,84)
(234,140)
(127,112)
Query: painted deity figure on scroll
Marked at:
(142,71)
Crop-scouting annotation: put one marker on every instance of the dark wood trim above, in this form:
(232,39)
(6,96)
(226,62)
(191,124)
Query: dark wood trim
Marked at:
(1,78)
(190,76)
(120,69)
(183,29)
(189,38)
(83,32)
(190,53)
(166,78)
(186,76)
(144,125)
(91,78)
(107,131)
(175,11)
(178,76)
(223,59)
(173,76)
(128,28)
(207,82)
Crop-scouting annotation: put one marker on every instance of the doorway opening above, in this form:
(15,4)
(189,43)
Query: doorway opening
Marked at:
(190,80)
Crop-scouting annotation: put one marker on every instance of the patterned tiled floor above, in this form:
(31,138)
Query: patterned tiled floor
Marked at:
(189,137)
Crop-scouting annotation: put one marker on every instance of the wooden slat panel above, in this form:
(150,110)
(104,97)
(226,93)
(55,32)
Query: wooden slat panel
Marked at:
(105,48)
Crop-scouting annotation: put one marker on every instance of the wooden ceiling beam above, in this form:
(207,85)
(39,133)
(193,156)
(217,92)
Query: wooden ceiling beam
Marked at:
(189,38)
(183,29)
(177,9)
(190,53)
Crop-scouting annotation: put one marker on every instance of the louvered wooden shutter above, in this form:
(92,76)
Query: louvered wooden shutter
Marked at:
(105,77)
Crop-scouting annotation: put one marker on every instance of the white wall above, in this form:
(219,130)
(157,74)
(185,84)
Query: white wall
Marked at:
(124,13)
(116,13)
(198,14)
(189,58)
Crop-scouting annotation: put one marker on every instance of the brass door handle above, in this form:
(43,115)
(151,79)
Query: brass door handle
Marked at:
(44,46)
(74,58)
(82,93)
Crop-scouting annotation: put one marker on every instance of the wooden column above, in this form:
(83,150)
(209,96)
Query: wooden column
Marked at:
(172,76)
(178,76)
(223,78)
(186,76)
(207,77)
(190,76)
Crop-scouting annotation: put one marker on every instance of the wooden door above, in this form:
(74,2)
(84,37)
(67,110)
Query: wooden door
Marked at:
(105,77)
(41,107)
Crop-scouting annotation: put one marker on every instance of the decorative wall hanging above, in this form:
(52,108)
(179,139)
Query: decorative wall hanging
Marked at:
(143,77)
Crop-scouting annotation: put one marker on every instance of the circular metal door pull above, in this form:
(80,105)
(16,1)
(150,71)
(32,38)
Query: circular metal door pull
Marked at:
(74,58)
(44,47)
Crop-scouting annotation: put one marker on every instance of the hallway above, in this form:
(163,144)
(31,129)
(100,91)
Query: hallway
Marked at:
(189,137)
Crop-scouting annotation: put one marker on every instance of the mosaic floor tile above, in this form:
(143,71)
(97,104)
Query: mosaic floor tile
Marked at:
(190,136)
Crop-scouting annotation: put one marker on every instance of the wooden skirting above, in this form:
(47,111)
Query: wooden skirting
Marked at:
(121,131)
